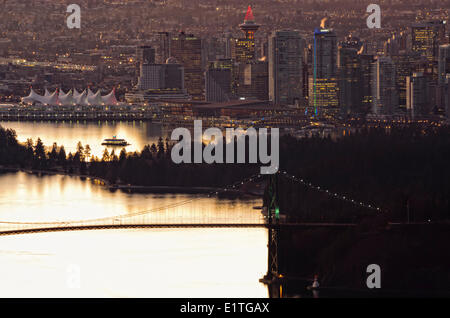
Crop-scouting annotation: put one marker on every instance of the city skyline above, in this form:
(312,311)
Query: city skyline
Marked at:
(320,77)
(206,149)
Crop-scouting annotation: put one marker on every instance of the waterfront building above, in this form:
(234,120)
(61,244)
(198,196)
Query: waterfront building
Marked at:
(71,98)
(151,95)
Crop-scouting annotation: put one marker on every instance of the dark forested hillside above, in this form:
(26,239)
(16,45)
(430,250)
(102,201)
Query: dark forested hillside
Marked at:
(401,170)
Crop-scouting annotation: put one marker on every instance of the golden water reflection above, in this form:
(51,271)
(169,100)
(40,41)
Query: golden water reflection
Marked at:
(137,134)
(123,263)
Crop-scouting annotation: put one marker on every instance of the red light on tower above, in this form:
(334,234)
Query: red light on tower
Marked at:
(249,15)
(249,27)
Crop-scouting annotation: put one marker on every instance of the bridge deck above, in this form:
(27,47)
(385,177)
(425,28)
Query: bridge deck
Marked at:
(180,225)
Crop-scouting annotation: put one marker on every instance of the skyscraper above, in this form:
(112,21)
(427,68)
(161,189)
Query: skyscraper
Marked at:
(385,100)
(164,47)
(161,76)
(253,80)
(243,50)
(404,67)
(417,94)
(285,67)
(145,54)
(324,80)
(249,27)
(218,80)
(426,37)
(218,85)
(350,80)
(187,49)
(325,53)
(443,62)
(159,81)
(447,96)
(443,72)
(367,69)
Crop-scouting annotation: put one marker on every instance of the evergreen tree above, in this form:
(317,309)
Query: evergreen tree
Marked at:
(87,152)
(62,156)
(39,150)
(105,156)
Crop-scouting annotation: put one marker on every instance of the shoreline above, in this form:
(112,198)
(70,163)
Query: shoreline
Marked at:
(133,188)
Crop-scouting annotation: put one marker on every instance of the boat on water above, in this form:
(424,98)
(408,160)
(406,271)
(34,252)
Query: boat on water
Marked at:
(315,285)
(115,142)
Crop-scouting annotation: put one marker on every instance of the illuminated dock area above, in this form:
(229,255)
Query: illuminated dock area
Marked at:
(41,112)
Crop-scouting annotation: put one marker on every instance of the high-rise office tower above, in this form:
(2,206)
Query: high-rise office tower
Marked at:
(227,41)
(443,62)
(264,52)
(447,96)
(159,81)
(397,44)
(417,94)
(214,48)
(443,71)
(253,80)
(243,50)
(229,64)
(385,99)
(391,46)
(187,49)
(161,76)
(352,42)
(324,79)
(367,69)
(325,53)
(350,80)
(404,67)
(285,67)
(164,47)
(427,36)
(218,85)
(219,81)
(145,54)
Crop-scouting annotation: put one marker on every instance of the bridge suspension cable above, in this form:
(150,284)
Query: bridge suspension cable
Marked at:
(153,216)
(329,193)
(139,213)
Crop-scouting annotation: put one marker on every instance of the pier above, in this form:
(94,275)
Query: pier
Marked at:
(118,112)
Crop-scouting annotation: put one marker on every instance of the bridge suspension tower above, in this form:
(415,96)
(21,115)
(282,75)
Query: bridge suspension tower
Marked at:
(273,226)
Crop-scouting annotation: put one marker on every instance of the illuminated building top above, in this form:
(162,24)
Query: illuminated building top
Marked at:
(249,26)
